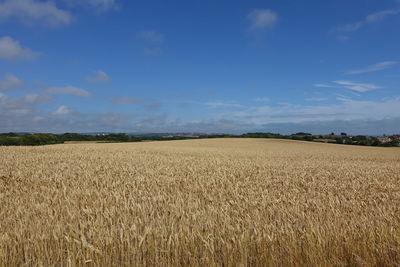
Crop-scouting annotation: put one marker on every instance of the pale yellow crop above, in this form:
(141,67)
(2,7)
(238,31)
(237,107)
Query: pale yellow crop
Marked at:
(216,202)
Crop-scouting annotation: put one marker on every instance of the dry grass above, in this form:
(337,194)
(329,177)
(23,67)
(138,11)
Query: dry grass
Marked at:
(222,202)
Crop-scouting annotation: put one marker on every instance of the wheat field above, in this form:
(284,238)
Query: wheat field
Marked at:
(216,202)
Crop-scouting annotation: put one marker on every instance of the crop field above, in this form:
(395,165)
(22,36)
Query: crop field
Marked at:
(214,202)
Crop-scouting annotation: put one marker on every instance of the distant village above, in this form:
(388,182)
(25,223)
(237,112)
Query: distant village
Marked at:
(343,138)
(387,139)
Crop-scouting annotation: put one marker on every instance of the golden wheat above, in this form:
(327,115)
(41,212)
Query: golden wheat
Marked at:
(217,202)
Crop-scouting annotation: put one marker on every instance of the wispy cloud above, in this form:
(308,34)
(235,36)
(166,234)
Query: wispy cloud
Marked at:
(360,117)
(156,51)
(346,109)
(354,86)
(154,106)
(262,18)
(370,19)
(153,40)
(62,111)
(71,90)
(262,99)
(372,68)
(99,77)
(322,85)
(10,82)
(34,12)
(121,101)
(342,38)
(354,127)
(97,5)
(37,99)
(20,111)
(359,87)
(11,49)
(218,104)
(315,99)
(151,36)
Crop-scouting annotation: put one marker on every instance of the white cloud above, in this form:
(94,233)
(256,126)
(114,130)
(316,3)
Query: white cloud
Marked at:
(10,82)
(10,103)
(20,112)
(262,18)
(315,99)
(25,114)
(360,117)
(346,109)
(98,5)
(151,36)
(37,118)
(373,68)
(322,85)
(99,77)
(262,99)
(11,49)
(355,86)
(32,11)
(71,90)
(62,111)
(353,127)
(36,99)
(218,104)
(342,38)
(120,101)
(343,98)
(370,19)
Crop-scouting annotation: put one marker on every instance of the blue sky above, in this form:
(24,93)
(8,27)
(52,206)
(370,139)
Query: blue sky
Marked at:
(200,66)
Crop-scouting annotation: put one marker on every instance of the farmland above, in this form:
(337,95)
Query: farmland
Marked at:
(214,202)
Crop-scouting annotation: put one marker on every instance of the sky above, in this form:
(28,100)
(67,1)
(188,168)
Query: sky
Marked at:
(200,66)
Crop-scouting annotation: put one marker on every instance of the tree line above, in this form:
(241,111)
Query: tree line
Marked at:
(36,139)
